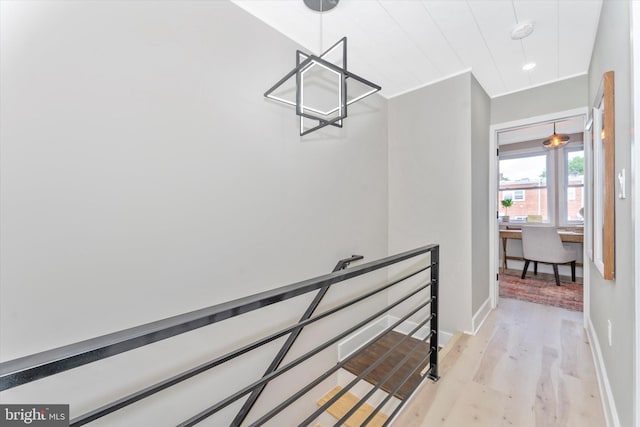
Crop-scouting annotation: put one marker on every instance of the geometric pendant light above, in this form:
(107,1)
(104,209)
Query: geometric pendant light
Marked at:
(556,140)
(321,83)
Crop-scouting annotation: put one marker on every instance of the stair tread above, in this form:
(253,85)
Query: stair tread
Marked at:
(377,348)
(348,401)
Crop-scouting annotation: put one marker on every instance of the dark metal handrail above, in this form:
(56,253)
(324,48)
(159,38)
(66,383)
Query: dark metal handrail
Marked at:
(284,350)
(30,368)
(162,385)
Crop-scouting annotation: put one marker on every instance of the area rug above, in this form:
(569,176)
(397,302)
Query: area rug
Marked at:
(568,295)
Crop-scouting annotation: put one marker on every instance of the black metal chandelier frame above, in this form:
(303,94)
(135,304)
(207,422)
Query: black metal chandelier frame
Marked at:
(305,62)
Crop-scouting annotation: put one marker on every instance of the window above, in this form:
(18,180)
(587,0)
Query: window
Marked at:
(523,179)
(516,195)
(542,184)
(573,208)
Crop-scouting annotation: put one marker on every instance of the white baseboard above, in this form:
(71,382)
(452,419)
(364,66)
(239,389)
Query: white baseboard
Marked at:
(608,404)
(406,327)
(360,338)
(481,315)
(443,338)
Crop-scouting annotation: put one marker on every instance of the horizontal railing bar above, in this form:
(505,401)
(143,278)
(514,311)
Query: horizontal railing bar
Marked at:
(30,368)
(388,375)
(364,373)
(291,339)
(162,385)
(395,389)
(274,411)
(265,379)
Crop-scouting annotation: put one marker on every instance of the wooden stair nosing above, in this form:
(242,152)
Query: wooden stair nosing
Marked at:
(347,401)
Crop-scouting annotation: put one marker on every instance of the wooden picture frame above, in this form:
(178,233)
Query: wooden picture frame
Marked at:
(603,194)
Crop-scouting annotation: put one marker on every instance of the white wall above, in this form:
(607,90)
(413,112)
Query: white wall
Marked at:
(614,300)
(430,186)
(480,147)
(564,95)
(143,175)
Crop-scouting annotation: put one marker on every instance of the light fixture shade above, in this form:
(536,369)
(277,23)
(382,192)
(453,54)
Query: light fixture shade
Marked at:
(321,112)
(556,140)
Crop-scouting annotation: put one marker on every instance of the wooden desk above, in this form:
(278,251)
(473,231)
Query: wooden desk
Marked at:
(565,236)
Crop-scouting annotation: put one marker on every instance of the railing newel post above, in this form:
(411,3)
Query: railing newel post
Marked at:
(435,264)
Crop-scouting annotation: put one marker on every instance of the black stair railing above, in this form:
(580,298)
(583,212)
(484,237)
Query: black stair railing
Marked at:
(282,353)
(20,371)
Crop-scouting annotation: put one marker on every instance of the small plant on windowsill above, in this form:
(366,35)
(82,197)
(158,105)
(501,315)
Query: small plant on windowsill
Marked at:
(506,203)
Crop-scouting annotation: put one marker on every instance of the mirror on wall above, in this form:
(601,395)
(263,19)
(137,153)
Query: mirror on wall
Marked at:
(603,225)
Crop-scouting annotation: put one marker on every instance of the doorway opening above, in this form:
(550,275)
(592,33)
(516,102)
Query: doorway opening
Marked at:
(538,187)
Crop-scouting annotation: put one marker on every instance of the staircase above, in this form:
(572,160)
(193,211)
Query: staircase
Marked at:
(348,401)
(356,366)
(374,406)
(377,349)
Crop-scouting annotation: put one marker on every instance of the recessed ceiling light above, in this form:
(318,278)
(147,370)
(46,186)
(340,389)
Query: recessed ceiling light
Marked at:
(529,66)
(522,30)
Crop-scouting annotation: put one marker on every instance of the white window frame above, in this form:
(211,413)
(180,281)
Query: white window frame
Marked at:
(550,177)
(557,161)
(563,170)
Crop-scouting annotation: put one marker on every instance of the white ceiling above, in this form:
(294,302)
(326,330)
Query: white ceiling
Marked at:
(405,44)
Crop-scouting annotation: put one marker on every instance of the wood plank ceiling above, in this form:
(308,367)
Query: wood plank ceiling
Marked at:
(406,44)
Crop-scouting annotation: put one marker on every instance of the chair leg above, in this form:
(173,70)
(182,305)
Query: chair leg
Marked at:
(535,268)
(555,272)
(524,270)
(573,271)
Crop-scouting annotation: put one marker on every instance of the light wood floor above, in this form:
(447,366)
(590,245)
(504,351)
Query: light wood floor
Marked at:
(529,366)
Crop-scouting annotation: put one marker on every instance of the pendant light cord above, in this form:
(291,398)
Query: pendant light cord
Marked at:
(321,35)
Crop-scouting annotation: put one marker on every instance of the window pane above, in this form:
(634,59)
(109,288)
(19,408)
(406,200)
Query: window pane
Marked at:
(575,186)
(524,181)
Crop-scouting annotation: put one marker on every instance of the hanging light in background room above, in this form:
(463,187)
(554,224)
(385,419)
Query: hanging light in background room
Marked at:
(556,140)
(321,87)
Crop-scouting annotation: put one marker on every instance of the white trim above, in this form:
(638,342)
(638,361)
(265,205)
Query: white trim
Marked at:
(493,185)
(420,86)
(481,315)
(606,396)
(548,82)
(494,257)
(470,70)
(407,326)
(443,338)
(545,118)
(586,285)
(635,184)
(362,337)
